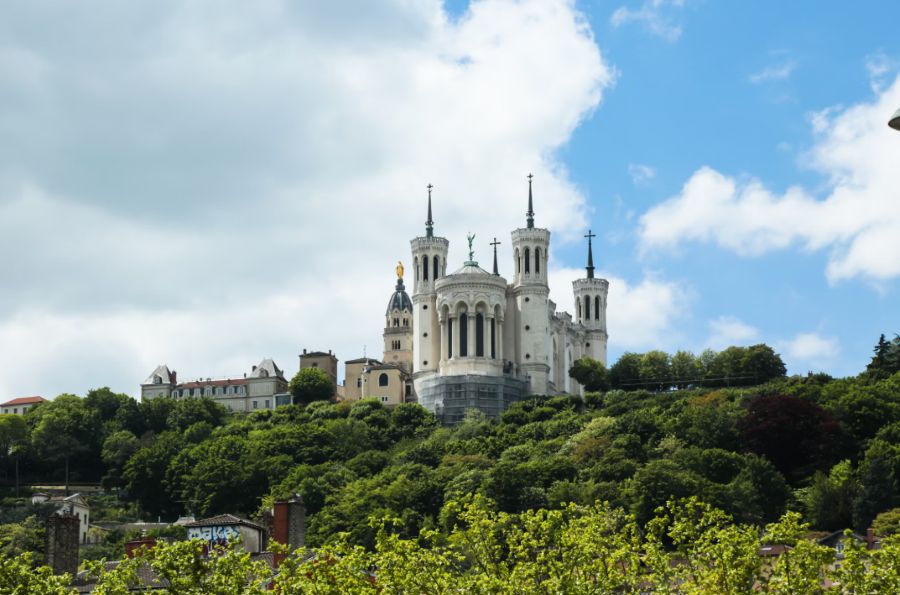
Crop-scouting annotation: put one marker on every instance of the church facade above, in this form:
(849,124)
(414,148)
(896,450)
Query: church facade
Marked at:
(480,341)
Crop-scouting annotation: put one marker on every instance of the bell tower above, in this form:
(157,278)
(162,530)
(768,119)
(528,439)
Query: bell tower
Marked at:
(398,326)
(529,327)
(590,308)
(429,257)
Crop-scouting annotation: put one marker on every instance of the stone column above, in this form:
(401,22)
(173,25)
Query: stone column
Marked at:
(444,338)
(471,338)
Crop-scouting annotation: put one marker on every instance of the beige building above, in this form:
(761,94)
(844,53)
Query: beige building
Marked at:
(327,362)
(21,405)
(263,388)
(75,505)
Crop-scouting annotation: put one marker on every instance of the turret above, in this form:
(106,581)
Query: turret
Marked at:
(429,256)
(398,326)
(590,308)
(530,293)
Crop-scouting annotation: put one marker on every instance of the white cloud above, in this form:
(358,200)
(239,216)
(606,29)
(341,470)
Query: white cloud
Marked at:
(639,316)
(640,173)
(658,16)
(726,331)
(208,184)
(809,349)
(858,222)
(778,72)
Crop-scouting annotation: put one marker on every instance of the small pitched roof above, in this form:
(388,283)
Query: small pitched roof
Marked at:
(23,401)
(223,520)
(161,375)
(363,360)
(267,369)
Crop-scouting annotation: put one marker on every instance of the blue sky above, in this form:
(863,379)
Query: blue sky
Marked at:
(208,184)
(735,91)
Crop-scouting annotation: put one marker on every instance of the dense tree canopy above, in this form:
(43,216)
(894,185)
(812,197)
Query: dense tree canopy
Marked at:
(311,384)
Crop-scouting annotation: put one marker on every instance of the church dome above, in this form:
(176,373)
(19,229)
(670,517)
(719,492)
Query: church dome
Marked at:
(400,299)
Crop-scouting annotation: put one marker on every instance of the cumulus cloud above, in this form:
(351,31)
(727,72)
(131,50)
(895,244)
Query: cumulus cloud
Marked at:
(640,315)
(726,331)
(809,349)
(857,221)
(659,17)
(207,184)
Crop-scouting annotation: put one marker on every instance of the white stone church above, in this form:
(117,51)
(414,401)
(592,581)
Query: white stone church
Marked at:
(478,341)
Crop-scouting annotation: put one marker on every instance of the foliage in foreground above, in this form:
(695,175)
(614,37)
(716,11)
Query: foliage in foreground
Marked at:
(687,547)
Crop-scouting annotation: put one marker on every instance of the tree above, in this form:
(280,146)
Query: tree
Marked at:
(655,370)
(686,369)
(761,364)
(626,372)
(886,360)
(797,435)
(311,384)
(591,374)
(63,428)
(13,436)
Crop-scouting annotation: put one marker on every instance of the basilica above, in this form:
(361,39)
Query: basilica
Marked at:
(471,339)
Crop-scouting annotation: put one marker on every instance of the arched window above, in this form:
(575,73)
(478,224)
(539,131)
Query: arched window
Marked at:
(383,379)
(425,268)
(449,337)
(537,261)
(479,335)
(527,261)
(597,308)
(359,382)
(518,262)
(493,338)
(578,304)
(587,307)
(174,394)
(416,261)
(463,335)
(436,270)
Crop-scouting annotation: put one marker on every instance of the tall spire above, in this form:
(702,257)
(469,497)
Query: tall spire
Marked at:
(530,213)
(495,243)
(590,264)
(429,224)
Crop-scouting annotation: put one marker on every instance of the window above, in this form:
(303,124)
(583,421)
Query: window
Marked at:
(435,269)
(493,338)
(597,308)
(359,382)
(174,394)
(479,335)
(383,379)
(518,262)
(579,309)
(15,410)
(527,261)
(587,307)
(449,338)
(267,403)
(425,268)
(463,335)
(537,260)
(255,404)
(384,399)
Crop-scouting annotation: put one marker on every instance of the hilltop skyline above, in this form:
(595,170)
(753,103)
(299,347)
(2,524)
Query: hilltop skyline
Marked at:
(209,185)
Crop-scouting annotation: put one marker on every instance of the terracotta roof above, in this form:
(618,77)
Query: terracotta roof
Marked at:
(223,520)
(23,401)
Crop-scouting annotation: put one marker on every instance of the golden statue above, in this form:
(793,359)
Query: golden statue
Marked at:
(399,270)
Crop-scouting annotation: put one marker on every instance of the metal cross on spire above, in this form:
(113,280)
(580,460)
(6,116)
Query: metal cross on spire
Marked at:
(530,214)
(495,243)
(429,224)
(590,264)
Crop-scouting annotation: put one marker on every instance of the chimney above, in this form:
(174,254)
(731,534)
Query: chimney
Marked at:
(304,351)
(62,543)
(174,377)
(289,524)
(132,547)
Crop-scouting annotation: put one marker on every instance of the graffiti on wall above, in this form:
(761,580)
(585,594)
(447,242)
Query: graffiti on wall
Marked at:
(215,535)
